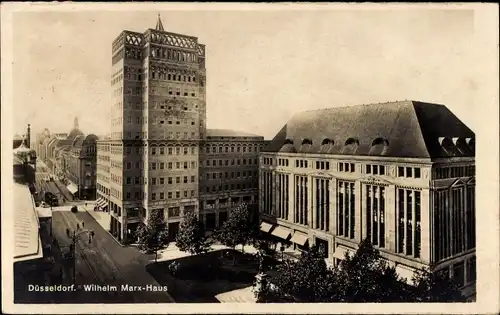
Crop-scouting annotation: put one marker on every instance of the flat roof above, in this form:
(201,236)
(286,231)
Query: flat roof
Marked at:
(27,243)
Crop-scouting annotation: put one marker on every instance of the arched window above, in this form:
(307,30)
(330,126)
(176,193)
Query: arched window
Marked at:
(448,146)
(471,142)
(352,141)
(379,146)
(327,141)
(350,146)
(306,141)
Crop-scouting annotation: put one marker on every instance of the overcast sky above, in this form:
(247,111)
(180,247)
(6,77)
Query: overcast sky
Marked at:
(262,66)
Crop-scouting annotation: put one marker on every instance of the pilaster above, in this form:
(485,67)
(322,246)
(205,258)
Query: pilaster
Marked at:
(390,217)
(359,211)
(310,201)
(425,226)
(291,197)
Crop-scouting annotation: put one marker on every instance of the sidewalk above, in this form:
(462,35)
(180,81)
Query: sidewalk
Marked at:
(101,217)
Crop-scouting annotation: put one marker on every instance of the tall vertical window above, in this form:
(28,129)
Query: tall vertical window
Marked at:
(408,218)
(471,217)
(268,192)
(454,222)
(301,200)
(322,205)
(471,270)
(375,214)
(282,195)
(346,209)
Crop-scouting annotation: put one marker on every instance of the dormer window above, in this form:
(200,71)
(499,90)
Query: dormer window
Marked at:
(447,145)
(307,141)
(351,145)
(471,142)
(379,146)
(327,141)
(352,141)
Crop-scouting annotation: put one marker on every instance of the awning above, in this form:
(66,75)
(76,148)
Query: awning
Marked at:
(103,203)
(405,272)
(340,252)
(299,238)
(265,227)
(281,232)
(72,188)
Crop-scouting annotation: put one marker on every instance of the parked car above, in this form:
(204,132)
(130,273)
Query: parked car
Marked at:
(74,209)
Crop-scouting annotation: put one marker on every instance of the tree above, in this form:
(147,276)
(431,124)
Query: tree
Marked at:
(191,237)
(306,280)
(239,228)
(435,287)
(364,277)
(153,236)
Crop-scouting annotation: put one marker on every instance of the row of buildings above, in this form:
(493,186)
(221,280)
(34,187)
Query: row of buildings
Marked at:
(33,257)
(401,174)
(72,157)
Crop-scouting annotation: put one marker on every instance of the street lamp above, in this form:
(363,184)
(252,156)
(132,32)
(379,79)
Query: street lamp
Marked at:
(73,247)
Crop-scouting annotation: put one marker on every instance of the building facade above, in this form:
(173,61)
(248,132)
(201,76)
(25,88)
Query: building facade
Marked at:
(401,174)
(229,169)
(72,157)
(33,259)
(152,160)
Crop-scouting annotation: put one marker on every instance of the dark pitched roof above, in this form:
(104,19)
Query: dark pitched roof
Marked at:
(397,129)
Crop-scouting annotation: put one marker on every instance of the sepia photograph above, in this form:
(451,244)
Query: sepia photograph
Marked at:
(265,155)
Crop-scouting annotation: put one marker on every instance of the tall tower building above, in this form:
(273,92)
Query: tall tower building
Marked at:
(158,118)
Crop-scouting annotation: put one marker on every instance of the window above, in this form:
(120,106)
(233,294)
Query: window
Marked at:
(375,214)
(322,216)
(301,198)
(459,273)
(153,196)
(408,222)
(170,180)
(417,172)
(401,171)
(409,172)
(471,270)
(177,180)
(346,209)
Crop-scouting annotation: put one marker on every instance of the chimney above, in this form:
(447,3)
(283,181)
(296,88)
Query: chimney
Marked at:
(28,137)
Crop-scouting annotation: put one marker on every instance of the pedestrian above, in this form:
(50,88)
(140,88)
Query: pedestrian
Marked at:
(83,225)
(67,232)
(77,226)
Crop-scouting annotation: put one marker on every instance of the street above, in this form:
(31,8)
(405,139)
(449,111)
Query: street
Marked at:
(103,262)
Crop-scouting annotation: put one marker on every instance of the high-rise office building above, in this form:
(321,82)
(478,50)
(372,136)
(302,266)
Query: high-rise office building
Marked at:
(158,124)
